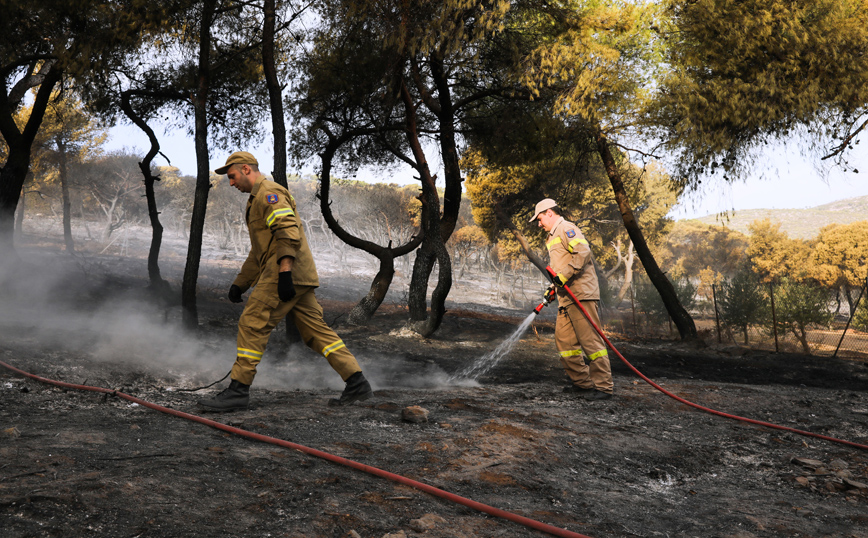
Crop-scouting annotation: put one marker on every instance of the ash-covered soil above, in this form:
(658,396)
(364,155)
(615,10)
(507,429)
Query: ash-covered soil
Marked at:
(76,463)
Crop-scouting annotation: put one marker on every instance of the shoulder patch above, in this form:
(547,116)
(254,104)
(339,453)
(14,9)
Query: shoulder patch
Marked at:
(271,198)
(571,233)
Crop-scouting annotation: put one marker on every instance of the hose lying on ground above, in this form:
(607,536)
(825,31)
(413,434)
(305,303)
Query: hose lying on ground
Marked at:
(490,510)
(691,404)
(555,531)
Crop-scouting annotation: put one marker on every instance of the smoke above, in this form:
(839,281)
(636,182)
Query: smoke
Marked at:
(54,305)
(62,306)
(301,368)
(82,306)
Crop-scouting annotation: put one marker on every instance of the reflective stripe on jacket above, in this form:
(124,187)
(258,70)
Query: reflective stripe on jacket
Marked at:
(275,231)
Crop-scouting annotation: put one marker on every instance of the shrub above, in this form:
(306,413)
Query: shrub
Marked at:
(648,299)
(860,317)
(742,302)
(798,305)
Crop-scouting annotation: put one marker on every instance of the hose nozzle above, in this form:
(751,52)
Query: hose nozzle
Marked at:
(547,298)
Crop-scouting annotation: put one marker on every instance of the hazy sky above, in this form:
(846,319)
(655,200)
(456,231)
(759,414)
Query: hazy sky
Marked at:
(787,180)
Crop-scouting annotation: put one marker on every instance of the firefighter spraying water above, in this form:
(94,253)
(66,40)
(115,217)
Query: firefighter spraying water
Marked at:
(582,350)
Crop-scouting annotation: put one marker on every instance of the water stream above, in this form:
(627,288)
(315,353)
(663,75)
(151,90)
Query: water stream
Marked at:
(486,362)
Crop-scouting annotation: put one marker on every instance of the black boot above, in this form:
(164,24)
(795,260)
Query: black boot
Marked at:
(357,389)
(236,396)
(581,391)
(598,395)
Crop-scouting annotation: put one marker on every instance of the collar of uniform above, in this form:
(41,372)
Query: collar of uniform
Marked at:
(256,184)
(555,226)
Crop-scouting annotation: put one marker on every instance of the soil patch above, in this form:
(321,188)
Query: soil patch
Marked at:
(76,463)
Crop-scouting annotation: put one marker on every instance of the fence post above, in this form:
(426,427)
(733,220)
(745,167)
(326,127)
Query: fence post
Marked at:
(774,317)
(716,316)
(853,313)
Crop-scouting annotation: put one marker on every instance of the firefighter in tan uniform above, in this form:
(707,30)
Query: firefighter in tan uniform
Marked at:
(281,271)
(576,339)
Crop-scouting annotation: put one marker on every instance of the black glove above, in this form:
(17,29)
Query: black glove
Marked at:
(550,294)
(558,281)
(285,289)
(234,294)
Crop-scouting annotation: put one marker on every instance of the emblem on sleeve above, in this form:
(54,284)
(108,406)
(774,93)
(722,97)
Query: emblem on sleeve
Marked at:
(271,198)
(571,233)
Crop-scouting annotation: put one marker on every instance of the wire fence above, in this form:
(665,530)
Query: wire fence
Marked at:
(843,335)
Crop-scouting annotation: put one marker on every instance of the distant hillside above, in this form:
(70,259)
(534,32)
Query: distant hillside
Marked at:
(798,223)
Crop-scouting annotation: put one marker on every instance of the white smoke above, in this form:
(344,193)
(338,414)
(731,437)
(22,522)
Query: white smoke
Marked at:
(64,307)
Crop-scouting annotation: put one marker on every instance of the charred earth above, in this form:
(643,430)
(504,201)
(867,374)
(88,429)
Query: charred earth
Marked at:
(77,463)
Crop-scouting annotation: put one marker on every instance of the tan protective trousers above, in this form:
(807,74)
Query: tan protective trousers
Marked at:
(259,319)
(573,334)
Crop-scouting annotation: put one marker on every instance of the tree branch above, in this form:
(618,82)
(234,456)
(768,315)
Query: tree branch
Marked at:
(837,150)
(427,98)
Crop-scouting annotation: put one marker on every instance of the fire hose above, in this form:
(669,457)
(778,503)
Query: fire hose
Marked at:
(490,510)
(549,296)
(530,523)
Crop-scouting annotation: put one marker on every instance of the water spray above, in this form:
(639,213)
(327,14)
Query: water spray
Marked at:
(487,362)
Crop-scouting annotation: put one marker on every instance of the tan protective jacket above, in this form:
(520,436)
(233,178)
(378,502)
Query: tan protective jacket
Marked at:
(275,231)
(570,257)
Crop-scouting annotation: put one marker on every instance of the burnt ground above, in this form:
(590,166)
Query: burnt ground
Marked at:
(77,463)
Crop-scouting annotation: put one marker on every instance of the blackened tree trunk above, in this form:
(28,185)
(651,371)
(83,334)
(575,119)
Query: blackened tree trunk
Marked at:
(430,254)
(12,177)
(19,143)
(63,172)
(680,316)
(364,310)
(275,95)
(432,251)
(156,280)
(278,124)
(433,247)
(448,149)
(203,184)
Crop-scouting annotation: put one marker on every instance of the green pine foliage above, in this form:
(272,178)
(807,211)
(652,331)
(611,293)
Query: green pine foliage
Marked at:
(860,317)
(648,299)
(744,73)
(742,301)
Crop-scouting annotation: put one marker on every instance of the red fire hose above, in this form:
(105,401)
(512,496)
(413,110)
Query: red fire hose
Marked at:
(531,523)
(553,275)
